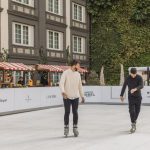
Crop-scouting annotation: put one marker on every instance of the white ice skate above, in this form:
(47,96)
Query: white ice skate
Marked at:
(75,131)
(66,131)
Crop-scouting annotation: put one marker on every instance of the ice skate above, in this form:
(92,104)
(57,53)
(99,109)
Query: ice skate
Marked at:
(66,131)
(133,128)
(75,131)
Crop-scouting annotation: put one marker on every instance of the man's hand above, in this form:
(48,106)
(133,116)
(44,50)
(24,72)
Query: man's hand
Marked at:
(122,98)
(133,90)
(64,95)
(83,100)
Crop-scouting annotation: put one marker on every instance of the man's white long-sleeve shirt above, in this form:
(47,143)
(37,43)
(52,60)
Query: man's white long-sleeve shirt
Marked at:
(70,83)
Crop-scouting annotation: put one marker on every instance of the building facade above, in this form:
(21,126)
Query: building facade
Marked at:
(44,30)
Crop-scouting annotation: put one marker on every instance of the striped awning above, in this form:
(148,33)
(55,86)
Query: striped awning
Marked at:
(81,70)
(50,68)
(15,66)
(7,66)
(23,67)
(64,68)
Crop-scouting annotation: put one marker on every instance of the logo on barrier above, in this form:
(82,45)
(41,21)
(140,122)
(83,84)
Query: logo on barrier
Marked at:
(89,94)
(51,97)
(28,99)
(148,94)
(3,100)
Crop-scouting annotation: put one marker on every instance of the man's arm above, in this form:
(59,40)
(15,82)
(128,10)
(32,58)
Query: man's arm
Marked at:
(139,87)
(62,85)
(81,90)
(124,87)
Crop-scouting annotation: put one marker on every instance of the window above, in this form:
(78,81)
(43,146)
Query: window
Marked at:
(23,34)
(78,44)
(78,12)
(55,6)
(54,40)
(26,2)
(56,78)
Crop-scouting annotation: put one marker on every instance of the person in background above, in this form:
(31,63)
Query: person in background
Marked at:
(30,82)
(44,79)
(135,84)
(10,78)
(21,81)
(71,89)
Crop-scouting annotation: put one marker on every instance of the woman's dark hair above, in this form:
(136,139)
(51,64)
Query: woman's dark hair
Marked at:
(133,70)
(74,62)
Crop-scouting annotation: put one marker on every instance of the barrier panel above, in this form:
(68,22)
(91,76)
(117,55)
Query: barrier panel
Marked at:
(103,94)
(26,98)
(6,100)
(20,99)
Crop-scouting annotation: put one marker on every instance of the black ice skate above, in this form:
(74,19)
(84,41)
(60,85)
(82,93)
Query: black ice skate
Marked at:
(133,128)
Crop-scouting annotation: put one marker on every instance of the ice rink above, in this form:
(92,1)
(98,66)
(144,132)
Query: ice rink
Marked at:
(101,127)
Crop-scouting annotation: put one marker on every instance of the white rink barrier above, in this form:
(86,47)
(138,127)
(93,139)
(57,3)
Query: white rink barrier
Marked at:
(111,94)
(20,99)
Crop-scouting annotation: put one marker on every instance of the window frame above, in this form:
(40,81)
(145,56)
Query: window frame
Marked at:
(83,13)
(83,43)
(60,40)
(30,37)
(31,3)
(60,10)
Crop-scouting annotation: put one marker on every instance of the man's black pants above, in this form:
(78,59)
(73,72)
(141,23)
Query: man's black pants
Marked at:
(67,105)
(134,108)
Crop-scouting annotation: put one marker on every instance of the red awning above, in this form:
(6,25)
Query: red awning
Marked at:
(23,67)
(7,66)
(15,66)
(50,68)
(81,70)
(64,68)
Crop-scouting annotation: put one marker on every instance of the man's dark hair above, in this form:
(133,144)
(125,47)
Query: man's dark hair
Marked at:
(133,70)
(74,62)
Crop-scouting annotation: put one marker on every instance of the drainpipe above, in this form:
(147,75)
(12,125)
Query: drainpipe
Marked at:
(90,35)
(148,76)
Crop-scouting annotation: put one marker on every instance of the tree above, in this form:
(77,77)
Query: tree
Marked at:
(4,55)
(116,38)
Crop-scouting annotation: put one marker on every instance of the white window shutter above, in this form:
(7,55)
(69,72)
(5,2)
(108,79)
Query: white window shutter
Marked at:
(61,39)
(47,39)
(72,10)
(61,2)
(83,14)
(31,3)
(13,33)
(31,36)
(83,45)
(47,9)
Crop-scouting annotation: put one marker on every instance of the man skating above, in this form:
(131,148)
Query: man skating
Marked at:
(71,88)
(135,84)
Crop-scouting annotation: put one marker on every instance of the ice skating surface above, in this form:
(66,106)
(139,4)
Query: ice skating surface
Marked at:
(101,127)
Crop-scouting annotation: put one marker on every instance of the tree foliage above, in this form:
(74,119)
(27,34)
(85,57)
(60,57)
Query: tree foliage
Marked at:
(118,36)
